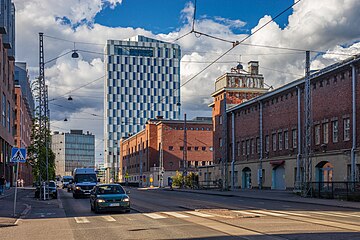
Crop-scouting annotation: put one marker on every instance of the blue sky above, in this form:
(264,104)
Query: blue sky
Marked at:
(164,16)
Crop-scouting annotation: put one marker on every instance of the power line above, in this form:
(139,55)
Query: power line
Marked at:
(75,89)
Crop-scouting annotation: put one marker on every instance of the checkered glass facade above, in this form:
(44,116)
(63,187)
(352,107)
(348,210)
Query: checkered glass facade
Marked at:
(143,81)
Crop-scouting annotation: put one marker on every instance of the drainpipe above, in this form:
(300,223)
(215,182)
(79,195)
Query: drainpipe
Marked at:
(298,158)
(261,144)
(353,154)
(232,151)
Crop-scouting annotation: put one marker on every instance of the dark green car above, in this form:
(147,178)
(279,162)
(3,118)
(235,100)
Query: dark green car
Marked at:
(109,197)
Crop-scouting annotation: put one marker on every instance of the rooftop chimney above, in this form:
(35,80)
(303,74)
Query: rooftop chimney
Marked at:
(253,67)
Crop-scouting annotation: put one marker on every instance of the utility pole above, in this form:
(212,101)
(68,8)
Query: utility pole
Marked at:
(224,147)
(43,112)
(308,123)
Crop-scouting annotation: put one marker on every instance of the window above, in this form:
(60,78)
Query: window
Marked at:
(4,110)
(317,134)
(274,142)
(280,136)
(252,146)
(203,148)
(294,138)
(238,149)
(258,145)
(220,142)
(181,148)
(286,139)
(189,148)
(220,120)
(171,148)
(247,147)
(243,148)
(267,143)
(326,133)
(346,129)
(196,148)
(335,131)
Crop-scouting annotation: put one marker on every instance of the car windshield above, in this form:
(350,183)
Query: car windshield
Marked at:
(52,184)
(110,189)
(85,178)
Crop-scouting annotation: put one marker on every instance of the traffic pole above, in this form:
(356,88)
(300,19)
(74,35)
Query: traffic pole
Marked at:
(15,195)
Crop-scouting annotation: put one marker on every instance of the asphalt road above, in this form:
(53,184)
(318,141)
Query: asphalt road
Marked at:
(161,214)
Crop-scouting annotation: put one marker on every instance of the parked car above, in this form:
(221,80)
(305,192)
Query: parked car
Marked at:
(50,189)
(109,197)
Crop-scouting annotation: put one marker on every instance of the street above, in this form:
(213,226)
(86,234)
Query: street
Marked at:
(164,214)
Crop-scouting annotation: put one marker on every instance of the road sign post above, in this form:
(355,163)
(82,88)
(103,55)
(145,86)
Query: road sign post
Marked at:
(18,155)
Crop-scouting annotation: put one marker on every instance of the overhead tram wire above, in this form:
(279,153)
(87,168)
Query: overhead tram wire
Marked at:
(75,89)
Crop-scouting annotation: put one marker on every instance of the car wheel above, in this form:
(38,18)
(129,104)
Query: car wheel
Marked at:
(127,210)
(96,208)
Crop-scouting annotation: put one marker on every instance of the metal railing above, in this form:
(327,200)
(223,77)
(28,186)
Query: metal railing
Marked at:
(210,184)
(349,191)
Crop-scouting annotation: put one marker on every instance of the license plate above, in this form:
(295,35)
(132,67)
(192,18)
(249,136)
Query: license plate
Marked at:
(114,204)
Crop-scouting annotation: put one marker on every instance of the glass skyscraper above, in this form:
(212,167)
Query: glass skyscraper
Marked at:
(142,82)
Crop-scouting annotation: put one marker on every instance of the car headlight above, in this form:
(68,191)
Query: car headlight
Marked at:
(78,188)
(100,200)
(126,200)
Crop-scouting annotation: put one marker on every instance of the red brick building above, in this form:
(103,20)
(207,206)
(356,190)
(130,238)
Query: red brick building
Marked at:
(159,150)
(264,137)
(7,103)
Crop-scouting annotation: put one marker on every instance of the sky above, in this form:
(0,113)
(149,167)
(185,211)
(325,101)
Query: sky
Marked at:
(327,27)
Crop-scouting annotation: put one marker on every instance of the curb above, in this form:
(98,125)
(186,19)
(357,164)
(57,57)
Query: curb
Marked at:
(269,199)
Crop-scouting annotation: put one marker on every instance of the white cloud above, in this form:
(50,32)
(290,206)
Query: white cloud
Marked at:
(330,25)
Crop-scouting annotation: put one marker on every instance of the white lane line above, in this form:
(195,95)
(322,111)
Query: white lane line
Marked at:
(248,213)
(175,214)
(154,216)
(286,206)
(81,220)
(260,202)
(240,200)
(345,214)
(109,218)
(199,214)
(268,213)
(330,214)
(292,213)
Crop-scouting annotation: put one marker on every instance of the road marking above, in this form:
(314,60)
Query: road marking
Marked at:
(240,200)
(248,213)
(345,214)
(81,220)
(286,206)
(330,214)
(175,214)
(109,218)
(260,202)
(269,213)
(292,213)
(199,214)
(154,216)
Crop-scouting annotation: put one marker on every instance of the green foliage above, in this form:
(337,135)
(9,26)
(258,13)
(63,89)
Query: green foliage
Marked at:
(190,180)
(37,153)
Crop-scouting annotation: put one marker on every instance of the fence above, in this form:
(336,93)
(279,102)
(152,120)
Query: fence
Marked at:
(215,184)
(340,190)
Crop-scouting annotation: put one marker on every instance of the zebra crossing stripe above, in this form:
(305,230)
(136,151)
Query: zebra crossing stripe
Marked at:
(248,213)
(269,213)
(109,218)
(199,214)
(81,220)
(154,216)
(175,214)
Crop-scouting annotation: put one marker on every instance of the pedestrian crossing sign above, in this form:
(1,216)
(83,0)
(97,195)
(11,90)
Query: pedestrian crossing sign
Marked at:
(18,155)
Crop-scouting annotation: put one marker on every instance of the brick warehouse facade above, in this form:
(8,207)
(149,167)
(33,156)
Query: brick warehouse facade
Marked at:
(160,147)
(271,155)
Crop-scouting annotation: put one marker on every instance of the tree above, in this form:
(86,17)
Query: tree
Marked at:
(40,139)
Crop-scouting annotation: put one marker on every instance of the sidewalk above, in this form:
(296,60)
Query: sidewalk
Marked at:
(276,195)
(7,206)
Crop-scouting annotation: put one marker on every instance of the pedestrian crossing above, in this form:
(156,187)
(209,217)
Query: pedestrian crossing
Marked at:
(216,215)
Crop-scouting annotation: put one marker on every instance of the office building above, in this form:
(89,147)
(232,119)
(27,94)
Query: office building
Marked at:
(73,150)
(142,82)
